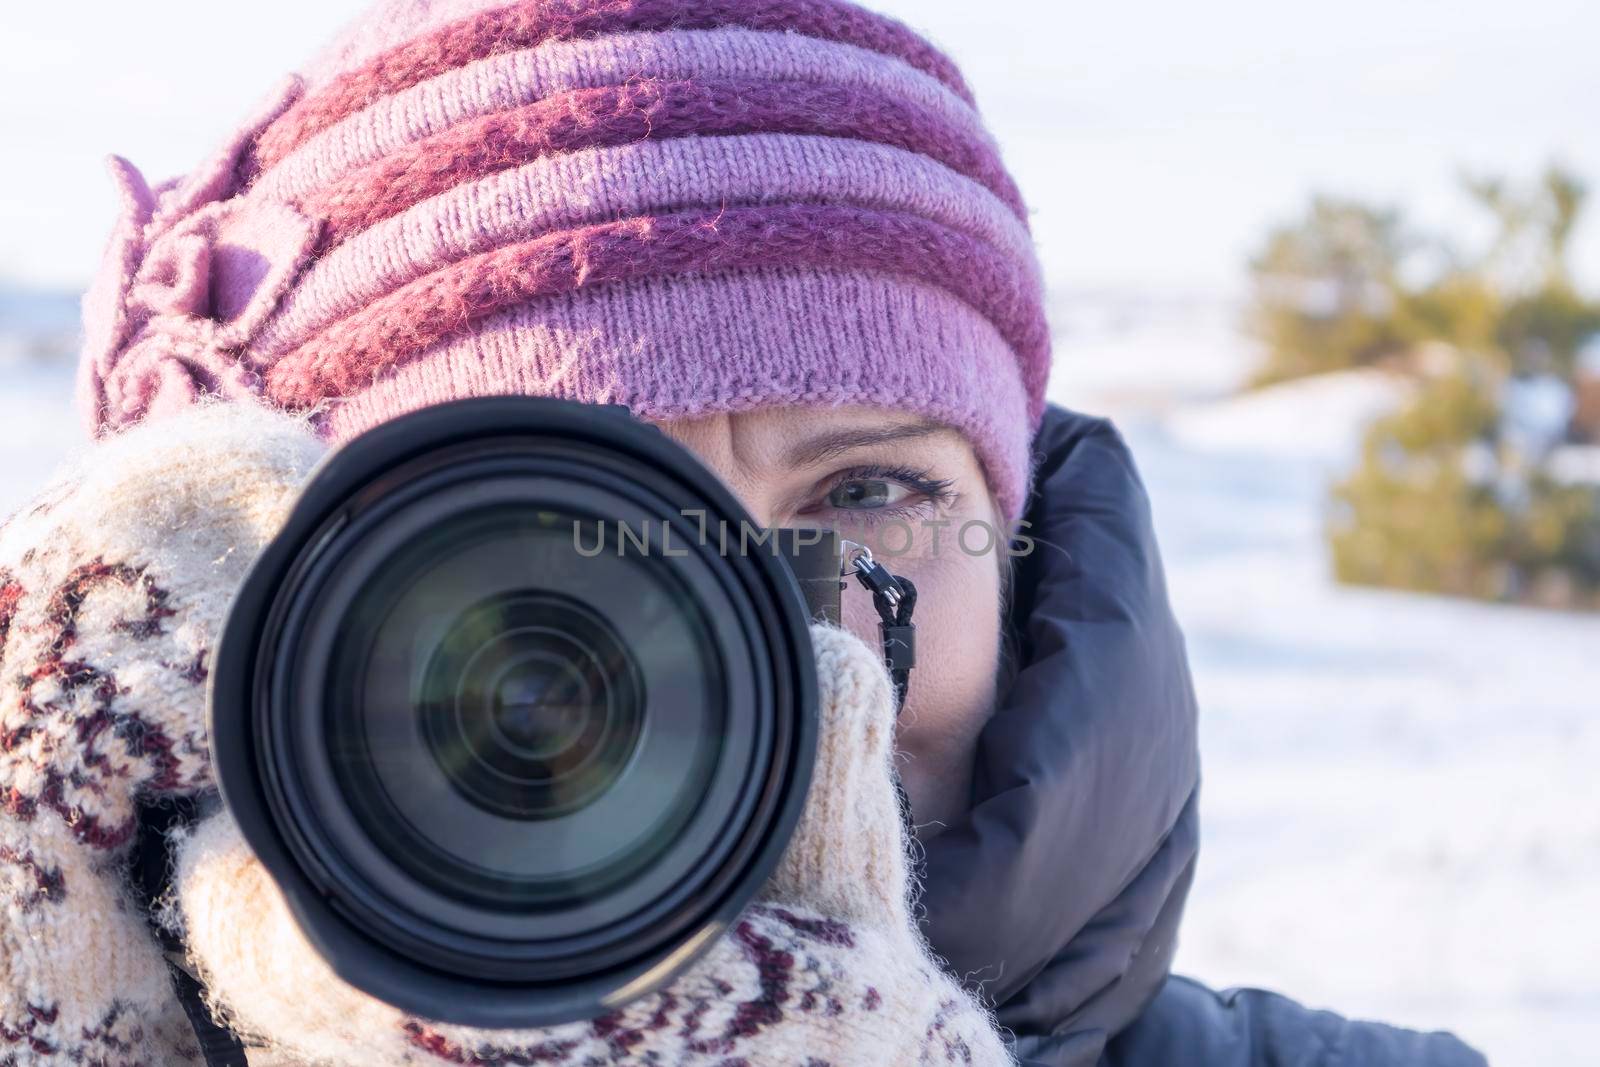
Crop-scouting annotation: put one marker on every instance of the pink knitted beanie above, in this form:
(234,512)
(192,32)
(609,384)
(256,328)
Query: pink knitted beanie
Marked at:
(684,206)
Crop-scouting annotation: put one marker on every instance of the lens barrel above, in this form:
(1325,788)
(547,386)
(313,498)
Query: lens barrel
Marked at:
(514,727)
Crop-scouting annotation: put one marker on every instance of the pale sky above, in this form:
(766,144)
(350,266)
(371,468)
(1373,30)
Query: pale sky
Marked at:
(1155,140)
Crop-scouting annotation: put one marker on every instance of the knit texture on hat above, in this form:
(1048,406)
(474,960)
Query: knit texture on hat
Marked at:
(685,206)
(113,589)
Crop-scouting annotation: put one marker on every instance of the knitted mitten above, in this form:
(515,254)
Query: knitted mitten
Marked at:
(827,969)
(111,592)
(112,588)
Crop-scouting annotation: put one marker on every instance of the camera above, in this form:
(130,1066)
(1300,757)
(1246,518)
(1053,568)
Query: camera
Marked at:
(504,779)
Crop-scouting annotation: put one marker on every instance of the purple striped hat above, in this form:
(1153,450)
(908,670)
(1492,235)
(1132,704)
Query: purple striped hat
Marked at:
(685,206)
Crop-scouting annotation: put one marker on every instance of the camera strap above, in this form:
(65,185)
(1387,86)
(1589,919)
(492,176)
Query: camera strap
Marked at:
(219,1046)
(894,598)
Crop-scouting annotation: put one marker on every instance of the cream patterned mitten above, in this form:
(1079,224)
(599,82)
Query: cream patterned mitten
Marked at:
(113,586)
(111,592)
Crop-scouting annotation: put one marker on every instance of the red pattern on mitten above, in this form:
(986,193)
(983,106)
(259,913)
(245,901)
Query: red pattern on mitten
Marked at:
(112,587)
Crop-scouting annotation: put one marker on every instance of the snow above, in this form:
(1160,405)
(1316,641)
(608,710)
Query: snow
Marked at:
(1313,420)
(1536,411)
(1400,816)
(1576,464)
(38,426)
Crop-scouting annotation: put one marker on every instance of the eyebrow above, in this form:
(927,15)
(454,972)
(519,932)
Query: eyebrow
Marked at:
(835,443)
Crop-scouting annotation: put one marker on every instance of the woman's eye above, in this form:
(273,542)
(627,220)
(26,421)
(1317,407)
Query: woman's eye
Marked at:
(863,493)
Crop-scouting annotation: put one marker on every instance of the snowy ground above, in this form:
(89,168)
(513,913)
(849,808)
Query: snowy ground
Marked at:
(1400,815)
(1401,820)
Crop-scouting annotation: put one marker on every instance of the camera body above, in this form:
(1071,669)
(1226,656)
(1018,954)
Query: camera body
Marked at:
(508,771)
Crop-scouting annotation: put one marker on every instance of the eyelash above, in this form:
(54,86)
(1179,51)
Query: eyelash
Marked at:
(935,492)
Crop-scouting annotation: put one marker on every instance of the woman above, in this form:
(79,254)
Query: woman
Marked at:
(777,229)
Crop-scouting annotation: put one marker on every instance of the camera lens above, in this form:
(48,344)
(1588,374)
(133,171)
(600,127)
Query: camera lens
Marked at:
(512,725)
(531,705)
(515,740)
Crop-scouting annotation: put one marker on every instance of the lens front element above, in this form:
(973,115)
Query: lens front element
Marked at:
(512,726)
(531,705)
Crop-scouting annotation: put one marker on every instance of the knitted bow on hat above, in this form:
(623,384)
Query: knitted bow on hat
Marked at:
(112,589)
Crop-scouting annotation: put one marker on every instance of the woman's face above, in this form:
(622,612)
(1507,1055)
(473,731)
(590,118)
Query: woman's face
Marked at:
(913,491)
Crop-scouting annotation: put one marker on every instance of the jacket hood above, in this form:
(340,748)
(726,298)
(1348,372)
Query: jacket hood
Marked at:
(1060,891)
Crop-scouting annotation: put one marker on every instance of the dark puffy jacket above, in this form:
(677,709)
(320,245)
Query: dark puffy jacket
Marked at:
(1060,893)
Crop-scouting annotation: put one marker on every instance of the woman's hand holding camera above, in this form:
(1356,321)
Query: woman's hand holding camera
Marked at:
(112,590)
(112,587)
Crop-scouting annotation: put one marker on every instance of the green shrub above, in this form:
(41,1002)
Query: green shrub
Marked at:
(1441,499)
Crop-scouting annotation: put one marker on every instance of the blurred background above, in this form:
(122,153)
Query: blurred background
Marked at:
(1335,270)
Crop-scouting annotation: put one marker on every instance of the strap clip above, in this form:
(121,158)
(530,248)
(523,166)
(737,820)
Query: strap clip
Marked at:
(894,598)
